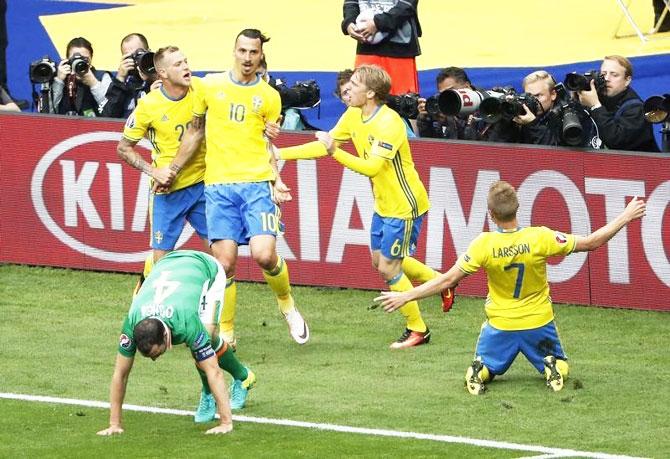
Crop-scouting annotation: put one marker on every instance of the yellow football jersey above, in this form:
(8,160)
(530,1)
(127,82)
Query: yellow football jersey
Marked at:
(236,116)
(164,120)
(516,268)
(397,188)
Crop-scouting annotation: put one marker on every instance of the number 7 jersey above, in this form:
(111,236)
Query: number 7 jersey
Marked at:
(516,268)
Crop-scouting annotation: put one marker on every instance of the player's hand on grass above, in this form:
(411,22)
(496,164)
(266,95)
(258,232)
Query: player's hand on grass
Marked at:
(220,429)
(391,301)
(326,140)
(111,430)
(635,209)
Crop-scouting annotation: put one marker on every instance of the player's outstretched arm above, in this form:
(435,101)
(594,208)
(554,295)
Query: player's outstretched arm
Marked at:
(635,209)
(126,151)
(395,300)
(218,386)
(117,392)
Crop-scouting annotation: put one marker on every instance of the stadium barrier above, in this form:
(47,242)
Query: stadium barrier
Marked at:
(69,201)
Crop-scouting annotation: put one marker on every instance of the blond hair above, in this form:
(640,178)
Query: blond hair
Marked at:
(502,201)
(539,75)
(375,79)
(159,57)
(623,62)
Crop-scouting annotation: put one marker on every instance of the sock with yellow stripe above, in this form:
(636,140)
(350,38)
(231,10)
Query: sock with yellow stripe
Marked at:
(148,266)
(278,281)
(227,362)
(417,271)
(401,283)
(227,322)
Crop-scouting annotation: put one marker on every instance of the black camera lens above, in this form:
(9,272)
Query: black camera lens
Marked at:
(433,105)
(42,71)
(79,64)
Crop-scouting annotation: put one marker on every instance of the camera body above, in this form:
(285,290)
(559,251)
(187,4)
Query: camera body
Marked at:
(303,94)
(42,70)
(582,81)
(79,64)
(506,105)
(406,105)
(144,61)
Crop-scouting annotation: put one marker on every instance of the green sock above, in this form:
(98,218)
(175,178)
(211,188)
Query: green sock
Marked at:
(228,362)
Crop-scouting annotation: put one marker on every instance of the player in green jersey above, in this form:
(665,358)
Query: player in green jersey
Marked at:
(180,303)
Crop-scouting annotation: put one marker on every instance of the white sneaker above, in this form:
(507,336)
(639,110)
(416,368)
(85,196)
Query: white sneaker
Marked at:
(297,326)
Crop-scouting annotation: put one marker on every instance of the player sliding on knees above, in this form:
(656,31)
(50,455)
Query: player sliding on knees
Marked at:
(180,302)
(520,317)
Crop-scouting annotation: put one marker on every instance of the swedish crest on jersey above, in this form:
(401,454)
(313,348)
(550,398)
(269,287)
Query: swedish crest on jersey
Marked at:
(256,103)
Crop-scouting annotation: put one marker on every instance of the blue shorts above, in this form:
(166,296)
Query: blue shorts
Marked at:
(499,348)
(239,211)
(395,237)
(169,213)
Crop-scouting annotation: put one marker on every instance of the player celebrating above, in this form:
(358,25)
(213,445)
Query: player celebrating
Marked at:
(241,176)
(518,306)
(401,201)
(180,302)
(165,114)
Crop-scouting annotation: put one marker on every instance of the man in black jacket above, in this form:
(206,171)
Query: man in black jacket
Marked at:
(544,126)
(130,83)
(387,32)
(618,111)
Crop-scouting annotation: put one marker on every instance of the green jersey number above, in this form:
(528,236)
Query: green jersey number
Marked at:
(519,277)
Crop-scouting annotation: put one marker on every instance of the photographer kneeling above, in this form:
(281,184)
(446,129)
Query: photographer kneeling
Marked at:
(556,120)
(79,89)
(618,110)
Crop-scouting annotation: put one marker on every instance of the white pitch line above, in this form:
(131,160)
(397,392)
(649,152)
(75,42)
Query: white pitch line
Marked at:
(548,452)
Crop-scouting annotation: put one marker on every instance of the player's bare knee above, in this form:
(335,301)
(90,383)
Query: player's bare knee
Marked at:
(265,259)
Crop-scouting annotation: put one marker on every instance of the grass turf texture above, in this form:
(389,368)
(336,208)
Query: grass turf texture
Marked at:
(59,332)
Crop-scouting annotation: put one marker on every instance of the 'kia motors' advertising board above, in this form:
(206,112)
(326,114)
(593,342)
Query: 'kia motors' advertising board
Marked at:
(68,200)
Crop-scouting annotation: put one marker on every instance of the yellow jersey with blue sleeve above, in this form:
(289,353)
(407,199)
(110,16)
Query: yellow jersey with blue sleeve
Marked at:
(164,121)
(516,268)
(236,115)
(397,188)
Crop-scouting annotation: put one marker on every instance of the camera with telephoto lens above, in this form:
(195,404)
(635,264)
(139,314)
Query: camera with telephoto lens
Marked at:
(406,105)
(42,71)
(464,101)
(568,112)
(144,61)
(582,81)
(303,94)
(657,108)
(506,105)
(79,64)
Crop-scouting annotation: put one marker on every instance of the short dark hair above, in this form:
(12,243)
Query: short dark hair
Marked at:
(79,42)
(342,77)
(143,39)
(457,73)
(253,34)
(147,333)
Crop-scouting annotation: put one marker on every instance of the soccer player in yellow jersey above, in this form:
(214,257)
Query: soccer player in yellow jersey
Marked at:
(520,317)
(241,178)
(380,138)
(164,115)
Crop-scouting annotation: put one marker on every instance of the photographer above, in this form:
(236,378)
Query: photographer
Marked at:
(439,125)
(130,82)
(618,110)
(79,89)
(546,125)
